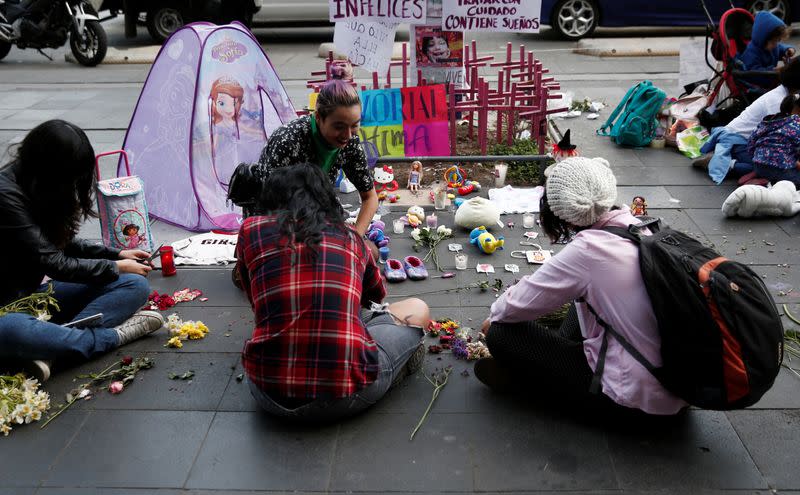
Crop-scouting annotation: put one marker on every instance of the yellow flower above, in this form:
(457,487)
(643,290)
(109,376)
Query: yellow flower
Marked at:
(201,326)
(195,334)
(174,342)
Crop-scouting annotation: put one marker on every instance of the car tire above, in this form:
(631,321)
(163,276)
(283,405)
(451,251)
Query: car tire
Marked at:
(780,8)
(163,21)
(5,47)
(574,19)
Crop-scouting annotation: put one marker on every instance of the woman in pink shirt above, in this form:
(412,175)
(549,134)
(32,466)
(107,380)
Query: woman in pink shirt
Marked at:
(595,267)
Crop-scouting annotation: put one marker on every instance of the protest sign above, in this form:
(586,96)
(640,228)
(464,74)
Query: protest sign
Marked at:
(409,121)
(366,44)
(438,54)
(516,16)
(382,120)
(425,126)
(395,11)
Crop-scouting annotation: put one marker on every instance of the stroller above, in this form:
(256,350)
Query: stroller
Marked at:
(731,88)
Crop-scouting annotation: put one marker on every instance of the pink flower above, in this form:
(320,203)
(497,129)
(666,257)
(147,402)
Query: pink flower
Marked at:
(115,387)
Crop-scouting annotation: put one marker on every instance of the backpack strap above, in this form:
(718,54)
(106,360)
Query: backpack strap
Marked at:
(603,131)
(601,358)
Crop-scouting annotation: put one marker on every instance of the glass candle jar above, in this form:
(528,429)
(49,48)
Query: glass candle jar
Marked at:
(167,261)
(399,225)
(461,261)
(431,220)
(384,253)
(440,198)
(528,221)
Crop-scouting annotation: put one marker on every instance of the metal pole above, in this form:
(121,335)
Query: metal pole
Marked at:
(466,159)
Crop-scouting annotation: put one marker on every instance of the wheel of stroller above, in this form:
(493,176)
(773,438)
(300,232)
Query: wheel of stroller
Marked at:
(780,8)
(574,19)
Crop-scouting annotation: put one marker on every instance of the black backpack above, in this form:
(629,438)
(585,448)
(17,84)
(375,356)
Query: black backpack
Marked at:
(721,335)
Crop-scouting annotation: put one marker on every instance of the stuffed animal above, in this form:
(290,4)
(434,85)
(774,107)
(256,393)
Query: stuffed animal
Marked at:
(375,234)
(475,212)
(384,179)
(415,216)
(485,241)
(782,199)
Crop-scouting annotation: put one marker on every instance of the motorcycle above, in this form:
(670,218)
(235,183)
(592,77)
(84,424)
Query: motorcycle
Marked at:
(73,20)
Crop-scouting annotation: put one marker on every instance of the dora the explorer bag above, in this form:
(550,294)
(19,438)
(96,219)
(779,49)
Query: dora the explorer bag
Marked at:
(124,221)
(721,336)
(633,122)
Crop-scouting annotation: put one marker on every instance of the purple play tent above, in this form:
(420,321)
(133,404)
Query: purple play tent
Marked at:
(209,103)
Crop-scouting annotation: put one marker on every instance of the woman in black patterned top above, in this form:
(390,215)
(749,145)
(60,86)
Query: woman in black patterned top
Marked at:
(328,138)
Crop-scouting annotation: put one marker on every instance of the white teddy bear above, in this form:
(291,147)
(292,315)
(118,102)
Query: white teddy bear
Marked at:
(781,199)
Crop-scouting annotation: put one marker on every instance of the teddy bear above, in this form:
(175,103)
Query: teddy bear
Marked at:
(781,199)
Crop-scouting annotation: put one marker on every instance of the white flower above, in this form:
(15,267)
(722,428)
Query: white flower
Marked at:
(5,429)
(415,234)
(42,316)
(36,415)
(444,231)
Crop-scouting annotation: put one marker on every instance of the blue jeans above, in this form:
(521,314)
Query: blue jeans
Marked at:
(774,174)
(396,344)
(23,337)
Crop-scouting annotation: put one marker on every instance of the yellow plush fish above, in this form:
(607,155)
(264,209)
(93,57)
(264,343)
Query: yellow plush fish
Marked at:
(485,241)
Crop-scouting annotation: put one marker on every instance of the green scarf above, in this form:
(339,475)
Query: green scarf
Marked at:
(325,152)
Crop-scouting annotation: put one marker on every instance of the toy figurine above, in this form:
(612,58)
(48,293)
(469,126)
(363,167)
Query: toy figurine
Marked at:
(455,177)
(376,235)
(638,206)
(485,241)
(415,176)
(415,216)
(384,179)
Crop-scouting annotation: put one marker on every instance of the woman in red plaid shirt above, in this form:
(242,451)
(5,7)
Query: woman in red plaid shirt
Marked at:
(315,354)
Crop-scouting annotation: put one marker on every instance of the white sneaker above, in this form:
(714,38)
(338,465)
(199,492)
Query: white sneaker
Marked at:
(139,325)
(38,369)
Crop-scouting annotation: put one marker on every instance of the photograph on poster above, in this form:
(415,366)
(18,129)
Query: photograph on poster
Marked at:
(437,48)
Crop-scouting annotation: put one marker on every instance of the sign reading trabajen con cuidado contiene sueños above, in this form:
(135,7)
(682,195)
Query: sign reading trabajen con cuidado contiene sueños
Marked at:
(398,11)
(518,16)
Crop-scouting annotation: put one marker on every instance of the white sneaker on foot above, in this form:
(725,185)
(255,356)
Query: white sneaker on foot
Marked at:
(139,325)
(38,369)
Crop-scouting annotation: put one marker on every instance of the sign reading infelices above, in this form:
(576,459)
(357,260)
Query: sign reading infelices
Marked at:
(518,16)
(396,11)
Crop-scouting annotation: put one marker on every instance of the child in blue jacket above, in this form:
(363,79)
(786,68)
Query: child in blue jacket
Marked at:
(775,143)
(765,49)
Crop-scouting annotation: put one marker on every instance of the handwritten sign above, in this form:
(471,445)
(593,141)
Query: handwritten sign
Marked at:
(382,120)
(395,11)
(516,16)
(366,44)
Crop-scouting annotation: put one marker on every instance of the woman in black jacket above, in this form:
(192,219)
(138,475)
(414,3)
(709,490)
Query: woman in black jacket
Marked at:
(45,195)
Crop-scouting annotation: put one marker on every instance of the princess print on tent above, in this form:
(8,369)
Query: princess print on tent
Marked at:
(225,107)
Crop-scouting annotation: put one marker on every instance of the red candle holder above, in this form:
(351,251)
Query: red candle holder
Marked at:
(167,261)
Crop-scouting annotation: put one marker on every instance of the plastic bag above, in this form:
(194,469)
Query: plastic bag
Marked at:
(691,140)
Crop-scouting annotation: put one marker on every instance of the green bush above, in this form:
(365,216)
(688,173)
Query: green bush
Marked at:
(520,173)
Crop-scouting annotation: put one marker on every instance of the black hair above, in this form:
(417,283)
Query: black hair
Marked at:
(790,75)
(780,33)
(126,229)
(302,198)
(55,169)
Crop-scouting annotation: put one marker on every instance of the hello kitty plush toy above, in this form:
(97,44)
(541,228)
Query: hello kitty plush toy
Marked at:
(384,179)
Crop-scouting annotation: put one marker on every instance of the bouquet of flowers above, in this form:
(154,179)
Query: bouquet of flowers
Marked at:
(430,238)
(21,401)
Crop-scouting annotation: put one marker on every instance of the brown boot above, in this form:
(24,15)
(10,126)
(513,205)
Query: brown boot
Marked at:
(702,162)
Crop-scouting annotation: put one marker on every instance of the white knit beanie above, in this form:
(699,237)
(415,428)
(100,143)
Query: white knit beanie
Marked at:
(580,190)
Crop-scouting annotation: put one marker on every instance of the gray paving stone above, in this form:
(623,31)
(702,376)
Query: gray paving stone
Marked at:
(771,438)
(18,491)
(373,453)
(713,222)
(237,397)
(132,449)
(709,196)
(28,452)
(229,327)
(657,196)
(681,220)
(214,282)
(662,158)
(789,225)
(783,282)
(785,393)
(254,451)
(107,491)
(704,449)
(752,248)
(549,453)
